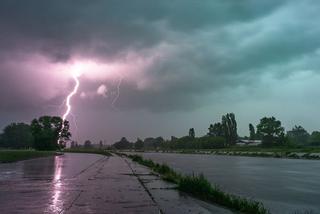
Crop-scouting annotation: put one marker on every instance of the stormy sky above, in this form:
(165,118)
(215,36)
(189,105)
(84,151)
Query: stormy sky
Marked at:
(157,68)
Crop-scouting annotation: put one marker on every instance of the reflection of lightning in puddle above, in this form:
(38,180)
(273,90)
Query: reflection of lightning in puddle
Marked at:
(56,204)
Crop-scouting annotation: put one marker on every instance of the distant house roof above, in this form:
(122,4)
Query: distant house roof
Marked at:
(250,141)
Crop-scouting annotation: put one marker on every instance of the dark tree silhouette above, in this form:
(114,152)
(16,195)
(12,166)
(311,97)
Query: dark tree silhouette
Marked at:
(100,144)
(270,130)
(138,144)
(315,138)
(215,130)
(47,131)
(192,133)
(87,144)
(229,127)
(16,136)
(158,141)
(210,133)
(298,135)
(123,144)
(252,132)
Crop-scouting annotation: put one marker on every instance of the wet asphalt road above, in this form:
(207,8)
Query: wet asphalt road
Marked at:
(89,183)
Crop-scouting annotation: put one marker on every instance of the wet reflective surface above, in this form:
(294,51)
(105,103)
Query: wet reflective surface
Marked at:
(89,183)
(283,185)
(43,184)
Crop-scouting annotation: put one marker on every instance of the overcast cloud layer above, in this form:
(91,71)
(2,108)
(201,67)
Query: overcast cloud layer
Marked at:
(160,67)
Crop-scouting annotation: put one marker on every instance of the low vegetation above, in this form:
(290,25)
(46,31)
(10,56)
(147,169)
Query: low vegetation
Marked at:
(200,187)
(8,156)
(91,150)
(267,137)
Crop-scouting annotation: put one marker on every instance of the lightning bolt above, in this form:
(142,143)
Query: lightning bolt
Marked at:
(72,93)
(68,99)
(118,93)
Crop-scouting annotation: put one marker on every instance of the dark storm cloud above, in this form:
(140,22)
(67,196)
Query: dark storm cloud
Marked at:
(213,44)
(58,27)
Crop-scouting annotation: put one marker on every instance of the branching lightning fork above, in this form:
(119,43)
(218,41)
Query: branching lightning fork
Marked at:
(68,99)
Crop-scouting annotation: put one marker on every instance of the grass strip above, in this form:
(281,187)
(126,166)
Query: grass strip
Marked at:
(199,187)
(9,156)
(92,151)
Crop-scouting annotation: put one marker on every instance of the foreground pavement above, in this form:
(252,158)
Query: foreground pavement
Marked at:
(89,183)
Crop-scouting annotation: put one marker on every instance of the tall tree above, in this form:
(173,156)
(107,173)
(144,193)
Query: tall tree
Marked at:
(149,142)
(47,131)
(298,135)
(16,136)
(215,130)
(138,144)
(123,144)
(87,144)
(315,138)
(229,127)
(192,133)
(158,141)
(252,132)
(270,130)
(210,133)
(100,144)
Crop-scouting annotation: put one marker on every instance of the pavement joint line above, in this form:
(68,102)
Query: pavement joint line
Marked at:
(164,188)
(74,200)
(91,165)
(82,171)
(81,191)
(142,184)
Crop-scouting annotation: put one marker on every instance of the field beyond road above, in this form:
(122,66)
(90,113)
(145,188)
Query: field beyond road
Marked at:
(8,156)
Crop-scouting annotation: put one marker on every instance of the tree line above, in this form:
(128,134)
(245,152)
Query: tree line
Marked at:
(224,134)
(43,133)
(51,133)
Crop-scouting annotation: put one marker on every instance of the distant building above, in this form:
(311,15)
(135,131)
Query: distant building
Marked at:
(243,142)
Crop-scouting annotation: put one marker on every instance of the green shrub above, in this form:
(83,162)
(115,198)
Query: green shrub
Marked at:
(196,185)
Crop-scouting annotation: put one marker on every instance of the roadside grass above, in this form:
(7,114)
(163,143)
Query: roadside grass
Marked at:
(199,187)
(164,170)
(8,156)
(92,151)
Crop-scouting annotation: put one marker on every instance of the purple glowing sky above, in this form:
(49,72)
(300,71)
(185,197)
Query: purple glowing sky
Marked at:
(181,64)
